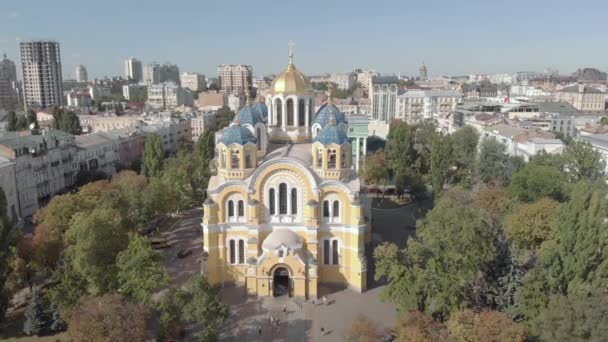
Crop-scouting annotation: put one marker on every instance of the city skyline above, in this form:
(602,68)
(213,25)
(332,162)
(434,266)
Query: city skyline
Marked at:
(390,37)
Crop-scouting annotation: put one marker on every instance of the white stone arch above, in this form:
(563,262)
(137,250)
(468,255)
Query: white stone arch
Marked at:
(292,181)
(305,174)
(329,202)
(262,137)
(315,129)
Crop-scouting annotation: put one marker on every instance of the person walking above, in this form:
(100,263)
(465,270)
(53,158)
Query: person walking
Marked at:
(322,331)
(325,300)
(284,308)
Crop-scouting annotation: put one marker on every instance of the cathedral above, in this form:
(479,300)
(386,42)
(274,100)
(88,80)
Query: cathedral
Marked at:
(284,214)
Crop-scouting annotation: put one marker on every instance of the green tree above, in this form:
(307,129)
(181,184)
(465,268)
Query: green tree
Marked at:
(7,243)
(12,122)
(153,157)
(205,145)
(439,265)
(573,319)
(492,161)
(533,295)
(205,306)
(416,326)
(69,287)
(582,162)
(95,239)
(36,320)
(170,311)
(31,119)
(69,122)
(403,156)
(529,224)
(442,159)
(534,182)
(57,322)
(223,117)
(464,142)
(178,173)
(468,326)
(140,270)
(375,171)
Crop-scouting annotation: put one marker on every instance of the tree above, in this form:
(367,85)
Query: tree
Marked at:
(223,117)
(58,213)
(362,329)
(464,143)
(170,311)
(7,241)
(440,264)
(534,182)
(178,174)
(47,248)
(21,265)
(495,326)
(95,239)
(494,200)
(31,119)
(205,145)
(140,270)
(529,224)
(153,157)
(442,159)
(107,318)
(375,171)
(12,122)
(415,326)
(573,318)
(492,161)
(582,162)
(403,157)
(57,322)
(35,318)
(205,306)
(69,122)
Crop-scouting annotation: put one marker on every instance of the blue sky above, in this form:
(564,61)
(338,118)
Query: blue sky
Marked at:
(451,37)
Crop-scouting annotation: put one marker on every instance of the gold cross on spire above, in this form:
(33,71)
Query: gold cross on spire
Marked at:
(291,45)
(330,90)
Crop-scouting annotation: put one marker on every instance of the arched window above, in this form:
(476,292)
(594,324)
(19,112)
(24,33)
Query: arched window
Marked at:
(241,210)
(230,208)
(290,113)
(331,160)
(326,252)
(343,159)
(234,159)
(336,211)
(301,113)
(259,137)
(248,160)
(294,201)
(271,201)
(232,251)
(242,251)
(279,112)
(319,157)
(334,253)
(325,208)
(283,199)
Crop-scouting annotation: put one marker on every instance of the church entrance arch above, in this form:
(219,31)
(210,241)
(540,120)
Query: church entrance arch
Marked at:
(280,282)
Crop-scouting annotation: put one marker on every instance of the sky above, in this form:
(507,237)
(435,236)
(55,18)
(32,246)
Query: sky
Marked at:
(451,37)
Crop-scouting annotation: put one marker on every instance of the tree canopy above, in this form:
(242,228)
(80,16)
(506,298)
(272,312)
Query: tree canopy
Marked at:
(492,161)
(153,157)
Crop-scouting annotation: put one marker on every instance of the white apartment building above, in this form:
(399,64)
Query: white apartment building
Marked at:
(103,123)
(173,131)
(201,122)
(365,77)
(133,70)
(527,90)
(194,81)
(383,92)
(134,92)
(523,142)
(168,95)
(155,73)
(8,79)
(415,106)
(41,63)
(79,99)
(8,183)
(235,102)
(344,81)
(81,74)
(235,78)
(98,92)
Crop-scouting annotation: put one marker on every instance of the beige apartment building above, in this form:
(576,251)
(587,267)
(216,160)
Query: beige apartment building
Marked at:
(235,78)
(582,97)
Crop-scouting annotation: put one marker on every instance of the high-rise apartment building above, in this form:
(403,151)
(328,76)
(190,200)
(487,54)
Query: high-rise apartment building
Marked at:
(155,73)
(133,70)
(8,81)
(236,79)
(194,81)
(41,62)
(81,74)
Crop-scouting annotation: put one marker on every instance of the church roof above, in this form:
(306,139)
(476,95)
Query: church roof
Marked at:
(237,134)
(291,81)
(323,114)
(261,109)
(282,237)
(331,134)
(247,115)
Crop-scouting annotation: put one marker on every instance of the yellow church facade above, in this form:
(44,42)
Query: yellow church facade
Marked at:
(284,214)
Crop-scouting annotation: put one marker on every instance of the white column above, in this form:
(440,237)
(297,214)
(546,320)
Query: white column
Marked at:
(296,112)
(276,201)
(284,114)
(270,105)
(288,201)
(364,147)
(307,116)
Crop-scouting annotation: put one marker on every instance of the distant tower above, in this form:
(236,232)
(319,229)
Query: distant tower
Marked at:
(41,62)
(81,74)
(134,70)
(423,73)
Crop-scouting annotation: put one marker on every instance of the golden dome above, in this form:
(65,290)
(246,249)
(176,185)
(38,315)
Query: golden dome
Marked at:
(291,81)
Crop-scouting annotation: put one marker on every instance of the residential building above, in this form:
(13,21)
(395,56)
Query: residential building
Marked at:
(133,70)
(235,79)
(100,92)
(134,92)
(41,62)
(168,95)
(523,142)
(344,81)
(415,106)
(79,99)
(193,81)
(130,144)
(155,73)
(104,123)
(582,97)
(97,152)
(484,90)
(365,77)
(383,92)
(81,74)
(590,75)
(174,132)
(286,218)
(358,131)
(235,102)
(209,101)
(201,122)
(152,73)
(8,82)
(44,165)
(8,184)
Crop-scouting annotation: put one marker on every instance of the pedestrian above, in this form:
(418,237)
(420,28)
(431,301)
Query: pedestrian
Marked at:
(324,300)
(271,320)
(284,308)
(313,302)
(322,331)
(260,332)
